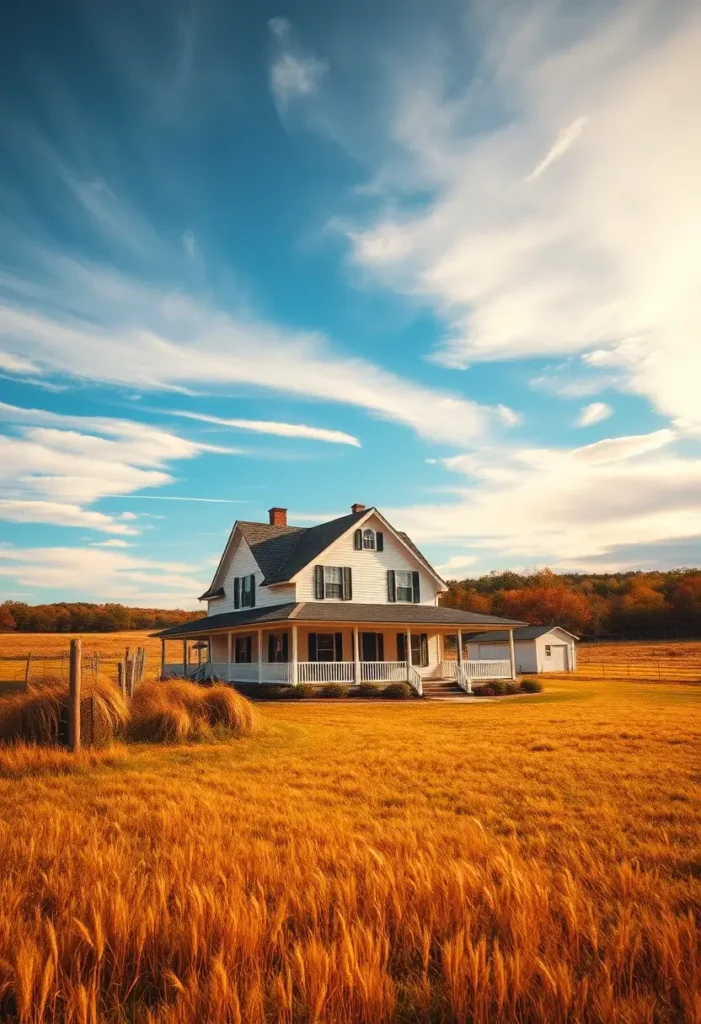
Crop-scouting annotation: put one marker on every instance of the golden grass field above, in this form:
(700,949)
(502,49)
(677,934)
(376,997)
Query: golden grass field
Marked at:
(530,859)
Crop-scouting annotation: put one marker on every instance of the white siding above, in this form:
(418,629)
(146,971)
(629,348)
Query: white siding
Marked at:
(243,564)
(530,654)
(369,568)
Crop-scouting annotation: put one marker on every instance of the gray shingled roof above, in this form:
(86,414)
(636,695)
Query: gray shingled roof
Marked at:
(271,545)
(227,620)
(311,542)
(340,612)
(523,633)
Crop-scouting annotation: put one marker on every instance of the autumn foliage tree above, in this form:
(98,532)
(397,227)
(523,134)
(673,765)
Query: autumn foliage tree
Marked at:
(624,605)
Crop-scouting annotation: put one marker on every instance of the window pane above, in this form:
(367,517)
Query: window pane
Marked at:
(325,650)
(333,581)
(369,539)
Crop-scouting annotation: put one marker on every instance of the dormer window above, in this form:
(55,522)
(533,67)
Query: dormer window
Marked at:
(368,540)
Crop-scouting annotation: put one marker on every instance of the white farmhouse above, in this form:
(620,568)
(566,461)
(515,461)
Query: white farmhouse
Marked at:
(349,601)
(538,648)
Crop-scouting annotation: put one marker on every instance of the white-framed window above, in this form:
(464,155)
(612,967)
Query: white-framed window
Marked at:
(405,589)
(548,651)
(333,582)
(246,592)
(368,540)
(242,649)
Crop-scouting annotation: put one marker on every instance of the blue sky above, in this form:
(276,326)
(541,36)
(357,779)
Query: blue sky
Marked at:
(444,259)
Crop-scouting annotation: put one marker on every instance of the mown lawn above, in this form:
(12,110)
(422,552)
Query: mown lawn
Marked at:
(529,859)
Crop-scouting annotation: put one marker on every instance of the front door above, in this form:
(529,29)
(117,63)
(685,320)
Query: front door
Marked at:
(372,647)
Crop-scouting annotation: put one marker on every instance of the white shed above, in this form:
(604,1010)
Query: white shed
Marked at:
(538,648)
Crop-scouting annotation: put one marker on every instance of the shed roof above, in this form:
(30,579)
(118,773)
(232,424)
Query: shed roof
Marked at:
(522,633)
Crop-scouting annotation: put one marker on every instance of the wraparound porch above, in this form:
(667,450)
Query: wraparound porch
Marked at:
(338,653)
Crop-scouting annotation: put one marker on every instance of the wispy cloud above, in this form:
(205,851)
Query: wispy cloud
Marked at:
(93,572)
(599,247)
(557,506)
(299,430)
(54,465)
(593,413)
(98,325)
(294,72)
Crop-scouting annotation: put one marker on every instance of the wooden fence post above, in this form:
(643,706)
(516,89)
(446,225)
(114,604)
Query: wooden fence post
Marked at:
(74,696)
(120,678)
(26,671)
(130,677)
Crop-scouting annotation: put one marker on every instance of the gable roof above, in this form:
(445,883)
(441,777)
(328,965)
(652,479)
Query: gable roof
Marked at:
(283,551)
(524,633)
(311,543)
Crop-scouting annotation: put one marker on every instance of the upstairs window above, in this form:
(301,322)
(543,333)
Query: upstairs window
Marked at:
(368,540)
(405,588)
(333,583)
(245,591)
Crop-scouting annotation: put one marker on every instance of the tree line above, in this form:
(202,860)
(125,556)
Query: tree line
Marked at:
(81,617)
(625,605)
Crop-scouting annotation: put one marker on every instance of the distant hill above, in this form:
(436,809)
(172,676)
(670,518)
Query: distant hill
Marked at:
(80,617)
(624,605)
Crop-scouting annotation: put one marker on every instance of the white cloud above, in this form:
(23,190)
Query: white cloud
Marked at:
(94,572)
(56,464)
(299,430)
(99,326)
(455,564)
(593,413)
(599,248)
(114,542)
(556,506)
(294,73)
(14,364)
(59,514)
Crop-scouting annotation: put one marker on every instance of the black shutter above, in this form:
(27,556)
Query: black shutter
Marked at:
(358,540)
(347,584)
(319,582)
(416,587)
(271,647)
(379,541)
(237,592)
(285,647)
(401,646)
(338,646)
(391,586)
(424,650)
(248,649)
(253,591)
(380,647)
(312,647)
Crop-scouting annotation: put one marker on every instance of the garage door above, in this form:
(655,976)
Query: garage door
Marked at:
(493,652)
(557,661)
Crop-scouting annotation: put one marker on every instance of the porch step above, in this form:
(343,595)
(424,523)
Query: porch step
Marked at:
(441,688)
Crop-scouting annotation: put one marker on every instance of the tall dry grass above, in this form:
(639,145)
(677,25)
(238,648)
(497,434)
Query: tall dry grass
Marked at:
(528,861)
(176,711)
(36,717)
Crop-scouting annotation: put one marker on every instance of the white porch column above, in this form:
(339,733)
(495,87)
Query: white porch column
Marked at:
(260,656)
(408,653)
(356,652)
(512,654)
(229,647)
(294,655)
(458,639)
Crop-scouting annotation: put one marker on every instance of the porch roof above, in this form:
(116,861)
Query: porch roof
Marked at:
(339,612)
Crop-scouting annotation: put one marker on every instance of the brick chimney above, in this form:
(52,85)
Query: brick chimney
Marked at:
(278,516)
(357,507)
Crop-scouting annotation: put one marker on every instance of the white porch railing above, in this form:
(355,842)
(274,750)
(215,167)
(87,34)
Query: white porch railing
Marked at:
(383,671)
(325,672)
(415,680)
(462,677)
(488,669)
